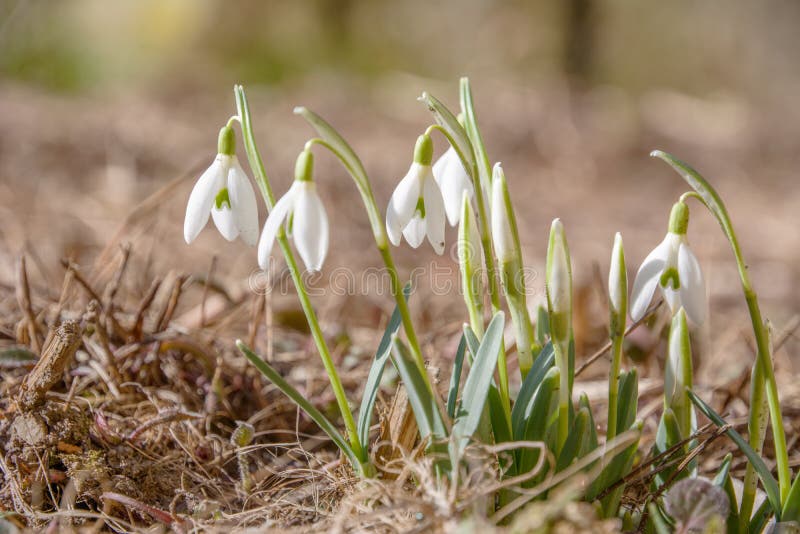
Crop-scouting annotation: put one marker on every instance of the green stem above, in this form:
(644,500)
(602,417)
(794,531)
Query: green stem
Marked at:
(561,357)
(613,386)
(711,200)
(757,429)
(260,173)
(489,262)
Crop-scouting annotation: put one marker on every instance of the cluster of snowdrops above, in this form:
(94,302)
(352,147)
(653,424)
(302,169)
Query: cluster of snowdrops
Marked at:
(542,430)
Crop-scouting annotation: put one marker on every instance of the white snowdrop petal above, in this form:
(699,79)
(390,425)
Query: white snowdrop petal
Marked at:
(434,214)
(225,222)
(414,232)
(274,220)
(310,227)
(201,200)
(403,203)
(693,287)
(647,278)
(243,204)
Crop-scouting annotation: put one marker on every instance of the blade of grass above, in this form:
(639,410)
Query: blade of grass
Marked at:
(275,377)
(769,482)
(376,372)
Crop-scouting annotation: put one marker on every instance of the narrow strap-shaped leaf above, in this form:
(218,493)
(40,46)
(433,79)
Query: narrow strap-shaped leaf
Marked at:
(275,377)
(476,387)
(723,480)
(791,508)
(572,446)
(537,422)
(376,372)
(500,428)
(474,134)
(723,471)
(768,481)
(760,517)
(455,378)
(522,406)
(628,400)
(426,411)
(457,136)
(590,441)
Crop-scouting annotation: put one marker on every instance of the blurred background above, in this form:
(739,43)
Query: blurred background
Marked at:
(109,111)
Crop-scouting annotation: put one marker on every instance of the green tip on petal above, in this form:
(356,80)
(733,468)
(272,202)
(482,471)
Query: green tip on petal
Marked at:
(679,218)
(222,199)
(226,143)
(423,151)
(304,168)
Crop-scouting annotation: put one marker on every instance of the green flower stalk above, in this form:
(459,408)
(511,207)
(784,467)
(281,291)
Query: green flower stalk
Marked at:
(257,165)
(512,274)
(618,312)
(558,284)
(704,192)
(470,264)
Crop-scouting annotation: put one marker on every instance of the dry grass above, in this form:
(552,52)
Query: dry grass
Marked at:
(132,428)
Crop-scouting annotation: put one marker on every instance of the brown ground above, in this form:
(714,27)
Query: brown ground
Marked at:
(155,387)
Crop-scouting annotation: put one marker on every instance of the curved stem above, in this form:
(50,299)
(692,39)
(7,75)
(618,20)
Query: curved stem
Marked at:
(260,173)
(712,201)
(382,241)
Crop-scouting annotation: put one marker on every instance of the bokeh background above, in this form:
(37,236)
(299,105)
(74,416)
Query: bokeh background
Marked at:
(109,111)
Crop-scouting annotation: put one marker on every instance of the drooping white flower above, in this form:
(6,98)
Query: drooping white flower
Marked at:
(673,267)
(302,206)
(224,192)
(453,181)
(416,208)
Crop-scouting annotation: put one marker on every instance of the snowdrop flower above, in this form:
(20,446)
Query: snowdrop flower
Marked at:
(453,181)
(224,192)
(674,268)
(416,208)
(303,209)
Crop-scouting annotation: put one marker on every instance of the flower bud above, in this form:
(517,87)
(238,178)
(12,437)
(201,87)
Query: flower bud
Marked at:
(617,289)
(558,283)
(504,226)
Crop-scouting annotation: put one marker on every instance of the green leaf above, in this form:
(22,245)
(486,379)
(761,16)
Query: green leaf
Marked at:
(572,447)
(275,377)
(474,134)
(723,471)
(589,442)
(657,520)
(476,387)
(426,411)
(376,372)
(535,428)
(723,480)
(542,325)
(767,480)
(523,405)
(502,433)
(455,132)
(628,400)
(791,508)
(455,378)
(760,516)
(615,470)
